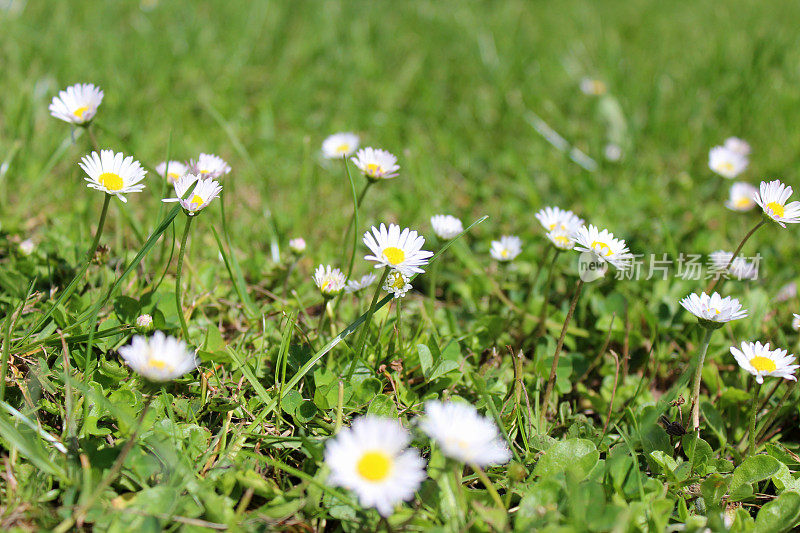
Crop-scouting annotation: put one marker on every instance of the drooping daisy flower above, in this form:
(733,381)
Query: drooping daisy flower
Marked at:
(372,459)
(175,170)
(159,358)
(726,162)
(397,283)
(355,285)
(330,281)
(401,251)
(555,218)
(592,87)
(795,322)
(209,166)
(714,310)
(77,104)
(561,239)
(463,434)
(376,164)
(603,245)
(297,245)
(340,145)
(205,191)
(446,226)
(772,198)
(740,268)
(507,248)
(742,197)
(760,361)
(113,173)
(740,146)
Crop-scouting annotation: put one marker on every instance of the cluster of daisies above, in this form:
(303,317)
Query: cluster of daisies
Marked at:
(373,458)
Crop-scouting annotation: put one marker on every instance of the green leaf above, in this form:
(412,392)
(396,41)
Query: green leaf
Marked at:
(752,470)
(383,405)
(425,360)
(781,514)
(580,454)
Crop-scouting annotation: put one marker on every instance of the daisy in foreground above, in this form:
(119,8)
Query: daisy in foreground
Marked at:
(175,170)
(330,281)
(742,197)
(463,434)
(113,173)
(159,358)
(726,162)
(400,250)
(77,104)
(372,459)
(713,311)
(355,285)
(602,245)
(760,361)
(772,198)
(209,166)
(202,195)
(507,248)
(376,164)
(340,145)
(397,283)
(446,226)
(555,218)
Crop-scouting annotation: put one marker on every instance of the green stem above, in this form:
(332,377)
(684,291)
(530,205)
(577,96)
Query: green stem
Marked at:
(698,373)
(751,449)
(354,217)
(721,279)
(322,315)
(546,296)
(6,352)
(99,233)
(178,304)
(92,138)
(489,486)
(363,336)
(398,324)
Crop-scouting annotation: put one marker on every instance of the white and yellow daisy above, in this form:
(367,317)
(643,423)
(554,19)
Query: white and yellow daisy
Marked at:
(740,268)
(507,248)
(372,458)
(795,322)
(202,195)
(760,361)
(175,170)
(593,87)
(330,281)
(603,245)
(113,173)
(397,283)
(742,197)
(77,104)
(713,310)
(560,239)
(772,198)
(297,245)
(355,285)
(340,145)
(740,146)
(376,164)
(726,162)
(555,218)
(159,358)
(463,434)
(400,250)
(209,166)
(446,226)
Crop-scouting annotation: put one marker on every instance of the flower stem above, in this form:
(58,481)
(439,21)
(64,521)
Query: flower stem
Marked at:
(721,279)
(365,327)
(398,324)
(552,379)
(322,316)
(353,223)
(698,373)
(92,138)
(182,251)
(99,232)
(489,486)
(751,448)
(546,296)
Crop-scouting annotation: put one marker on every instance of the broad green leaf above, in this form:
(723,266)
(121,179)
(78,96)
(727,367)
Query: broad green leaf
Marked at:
(781,514)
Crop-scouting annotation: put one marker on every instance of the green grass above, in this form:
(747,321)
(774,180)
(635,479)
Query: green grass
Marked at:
(454,89)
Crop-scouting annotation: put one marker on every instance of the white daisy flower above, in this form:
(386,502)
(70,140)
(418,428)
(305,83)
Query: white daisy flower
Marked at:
(593,87)
(726,162)
(159,358)
(742,197)
(507,248)
(330,281)
(740,146)
(77,104)
(463,434)
(397,283)
(297,245)
(713,310)
(772,198)
(144,321)
(760,361)
(340,145)
(446,226)
(795,322)
(372,459)
(175,170)
(113,173)
(399,250)
(376,164)
(740,268)
(613,152)
(561,239)
(553,218)
(209,166)
(603,245)
(355,285)
(205,191)
(27,247)
(787,292)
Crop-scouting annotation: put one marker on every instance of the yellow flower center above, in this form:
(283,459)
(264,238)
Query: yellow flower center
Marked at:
(561,240)
(374,465)
(763,364)
(80,111)
(196,202)
(776,208)
(398,282)
(743,202)
(158,363)
(725,166)
(394,255)
(110,181)
(504,253)
(601,248)
(173,175)
(374,169)
(343,148)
